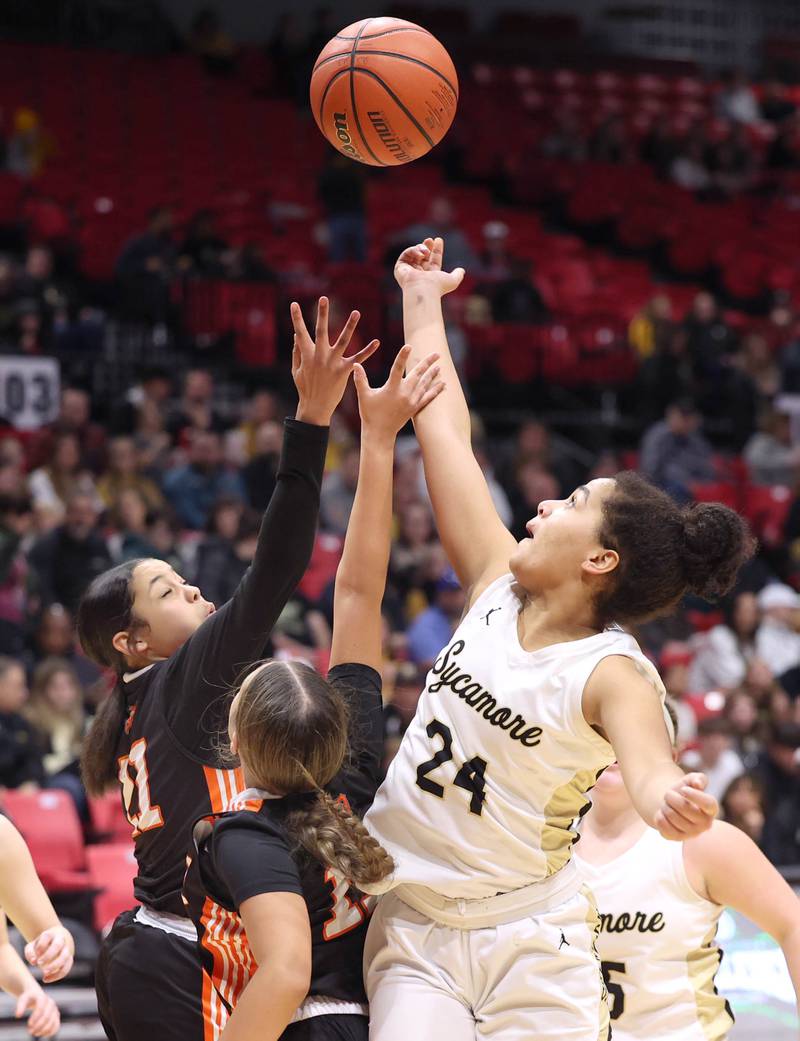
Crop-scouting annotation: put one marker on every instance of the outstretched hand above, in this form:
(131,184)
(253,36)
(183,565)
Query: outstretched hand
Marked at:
(421,265)
(386,410)
(687,809)
(319,369)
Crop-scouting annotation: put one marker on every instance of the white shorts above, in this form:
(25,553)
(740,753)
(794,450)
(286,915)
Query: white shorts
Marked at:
(536,978)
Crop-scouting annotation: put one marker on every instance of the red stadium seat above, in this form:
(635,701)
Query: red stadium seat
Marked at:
(766,509)
(725,492)
(108,818)
(112,869)
(322,567)
(50,826)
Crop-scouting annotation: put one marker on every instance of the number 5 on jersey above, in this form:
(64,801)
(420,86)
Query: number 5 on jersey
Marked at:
(471,776)
(134,779)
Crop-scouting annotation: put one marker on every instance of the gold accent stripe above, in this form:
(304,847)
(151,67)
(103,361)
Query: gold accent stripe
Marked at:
(593,922)
(713,1012)
(565,805)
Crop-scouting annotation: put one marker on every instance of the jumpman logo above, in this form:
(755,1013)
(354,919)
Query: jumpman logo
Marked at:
(488,615)
(564,941)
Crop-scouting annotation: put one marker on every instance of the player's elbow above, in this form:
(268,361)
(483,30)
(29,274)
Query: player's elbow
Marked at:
(294,978)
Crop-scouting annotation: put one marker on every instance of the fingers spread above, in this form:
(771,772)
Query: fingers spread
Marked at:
(430,394)
(422,366)
(346,334)
(399,364)
(361,356)
(360,380)
(298,321)
(322,320)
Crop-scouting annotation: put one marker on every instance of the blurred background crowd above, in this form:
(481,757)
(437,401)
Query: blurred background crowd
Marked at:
(632,299)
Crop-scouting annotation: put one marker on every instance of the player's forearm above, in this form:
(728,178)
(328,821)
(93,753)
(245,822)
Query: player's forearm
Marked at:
(22,895)
(648,787)
(423,327)
(14,976)
(790,945)
(267,1005)
(367,545)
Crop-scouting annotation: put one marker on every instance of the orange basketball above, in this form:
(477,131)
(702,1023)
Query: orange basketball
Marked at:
(384,91)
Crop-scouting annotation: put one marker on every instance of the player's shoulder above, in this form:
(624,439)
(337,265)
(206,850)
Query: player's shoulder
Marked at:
(248,821)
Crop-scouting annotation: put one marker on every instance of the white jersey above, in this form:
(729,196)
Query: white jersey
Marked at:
(657,946)
(491,777)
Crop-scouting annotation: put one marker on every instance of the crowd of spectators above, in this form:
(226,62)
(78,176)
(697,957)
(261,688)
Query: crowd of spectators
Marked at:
(752,133)
(181,479)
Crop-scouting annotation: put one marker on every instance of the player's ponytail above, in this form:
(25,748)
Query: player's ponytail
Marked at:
(665,551)
(291,729)
(105,609)
(331,834)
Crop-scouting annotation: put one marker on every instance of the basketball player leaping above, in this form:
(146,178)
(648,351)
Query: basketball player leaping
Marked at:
(487,932)
(176,659)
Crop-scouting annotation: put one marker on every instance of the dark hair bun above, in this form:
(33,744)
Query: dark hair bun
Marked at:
(716,544)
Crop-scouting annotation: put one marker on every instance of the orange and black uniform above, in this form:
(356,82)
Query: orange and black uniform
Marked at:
(149,979)
(246,852)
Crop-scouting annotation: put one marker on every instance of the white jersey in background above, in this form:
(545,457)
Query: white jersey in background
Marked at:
(657,946)
(491,777)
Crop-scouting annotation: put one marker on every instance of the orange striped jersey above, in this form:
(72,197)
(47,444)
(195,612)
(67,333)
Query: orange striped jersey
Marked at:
(246,852)
(168,760)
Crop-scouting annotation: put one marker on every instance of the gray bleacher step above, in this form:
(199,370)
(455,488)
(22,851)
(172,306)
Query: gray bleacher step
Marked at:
(75,1003)
(85,1030)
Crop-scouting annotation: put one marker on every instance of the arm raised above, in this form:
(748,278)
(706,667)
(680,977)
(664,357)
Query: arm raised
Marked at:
(475,539)
(361,578)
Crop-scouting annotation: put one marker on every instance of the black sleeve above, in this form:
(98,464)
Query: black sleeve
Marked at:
(361,686)
(206,667)
(250,858)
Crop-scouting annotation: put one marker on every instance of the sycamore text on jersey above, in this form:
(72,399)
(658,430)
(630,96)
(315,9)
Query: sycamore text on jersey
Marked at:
(479,699)
(629,923)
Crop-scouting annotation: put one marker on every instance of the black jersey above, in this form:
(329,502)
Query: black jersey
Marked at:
(169,767)
(246,852)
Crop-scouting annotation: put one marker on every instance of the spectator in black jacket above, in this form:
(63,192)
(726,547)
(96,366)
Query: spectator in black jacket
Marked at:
(69,557)
(145,267)
(20,757)
(203,249)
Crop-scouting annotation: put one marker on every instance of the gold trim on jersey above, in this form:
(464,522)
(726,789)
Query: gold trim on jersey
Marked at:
(565,805)
(713,1013)
(593,922)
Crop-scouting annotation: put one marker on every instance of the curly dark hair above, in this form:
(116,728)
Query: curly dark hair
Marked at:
(665,551)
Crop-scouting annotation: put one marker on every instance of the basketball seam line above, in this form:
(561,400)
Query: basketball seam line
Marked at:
(388,32)
(353,53)
(400,57)
(400,105)
(328,86)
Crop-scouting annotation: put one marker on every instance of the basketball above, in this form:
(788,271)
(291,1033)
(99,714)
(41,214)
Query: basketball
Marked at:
(384,91)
